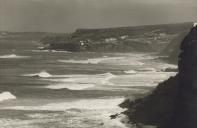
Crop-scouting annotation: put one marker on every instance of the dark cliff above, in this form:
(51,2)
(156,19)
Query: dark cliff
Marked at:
(172,50)
(173,104)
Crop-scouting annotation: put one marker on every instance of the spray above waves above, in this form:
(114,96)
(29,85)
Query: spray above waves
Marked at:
(12,56)
(6,96)
(42,74)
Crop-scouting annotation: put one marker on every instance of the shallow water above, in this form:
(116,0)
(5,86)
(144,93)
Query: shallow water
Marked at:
(59,89)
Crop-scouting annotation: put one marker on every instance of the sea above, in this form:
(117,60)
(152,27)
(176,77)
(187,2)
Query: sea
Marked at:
(61,89)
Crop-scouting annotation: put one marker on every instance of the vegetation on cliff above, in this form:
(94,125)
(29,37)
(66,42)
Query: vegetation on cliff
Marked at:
(150,38)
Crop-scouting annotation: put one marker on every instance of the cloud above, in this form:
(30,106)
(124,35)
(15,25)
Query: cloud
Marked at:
(68,15)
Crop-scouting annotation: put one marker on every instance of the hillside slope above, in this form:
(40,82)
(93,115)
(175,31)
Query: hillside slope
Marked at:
(149,38)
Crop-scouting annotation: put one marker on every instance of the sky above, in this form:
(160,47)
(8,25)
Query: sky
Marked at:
(68,15)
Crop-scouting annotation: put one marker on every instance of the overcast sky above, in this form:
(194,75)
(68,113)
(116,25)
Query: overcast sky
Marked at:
(67,15)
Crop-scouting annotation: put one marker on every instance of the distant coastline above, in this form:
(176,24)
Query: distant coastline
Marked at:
(149,38)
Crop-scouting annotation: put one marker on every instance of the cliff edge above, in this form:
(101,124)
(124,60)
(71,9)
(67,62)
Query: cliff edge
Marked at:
(173,104)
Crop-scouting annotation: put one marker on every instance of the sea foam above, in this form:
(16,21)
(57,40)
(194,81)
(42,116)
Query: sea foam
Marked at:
(91,61)
(6,96)
(151,70)
(87,104)
(42,74)
(130,71)
(12,56)
(70,86)
(53,51)
(79,82)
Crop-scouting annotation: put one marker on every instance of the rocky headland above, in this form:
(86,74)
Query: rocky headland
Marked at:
(173,104)
(148,38)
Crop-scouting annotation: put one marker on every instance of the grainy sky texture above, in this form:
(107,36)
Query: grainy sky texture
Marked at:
(67,15)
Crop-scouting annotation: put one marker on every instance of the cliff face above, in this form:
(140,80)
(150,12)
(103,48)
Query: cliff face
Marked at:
(186,112)
(150,38)
(172,50)
(173,104)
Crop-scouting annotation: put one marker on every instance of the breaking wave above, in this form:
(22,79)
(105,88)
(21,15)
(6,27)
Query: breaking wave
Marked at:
(79,82)
(147,70)
(95,112)
(53,51)
(130,71)
(71,86)
(91,61)
(12,56)
(6,96)
(87,104)
(42,74)
(108,77)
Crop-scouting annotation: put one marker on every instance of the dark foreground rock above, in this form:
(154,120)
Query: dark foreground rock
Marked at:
(173,104)
(170,70)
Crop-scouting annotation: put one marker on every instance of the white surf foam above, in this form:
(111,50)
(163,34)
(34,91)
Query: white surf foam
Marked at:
(147,70)
(165,66)
(142,79)
(86,104)
(42,74)
(60,51)
(12,56)
(91,61)
(53,51)
(81,113)
(79,82)
(130,71)
(39,50)
(124,61)
(70,86)
(108,77)
(6,96)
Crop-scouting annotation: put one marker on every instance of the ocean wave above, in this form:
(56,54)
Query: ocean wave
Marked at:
(84,104)
(91,61)
(147,70)
(60,51)
(42,74)
(79,82)
(130,71)
(84,113)
(6,96)
(142,79)
(9,56)
(108,76)
(53,51)
(38,50)
(164,66)
(107,60)
(71,86)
